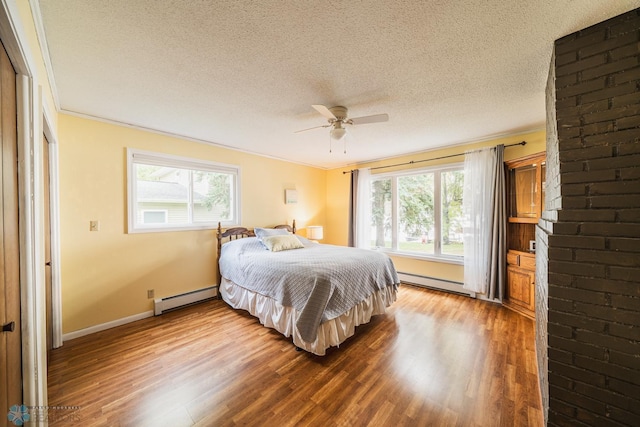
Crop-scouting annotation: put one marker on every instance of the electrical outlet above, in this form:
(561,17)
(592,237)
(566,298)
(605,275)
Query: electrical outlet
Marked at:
(94,225)
(151,293)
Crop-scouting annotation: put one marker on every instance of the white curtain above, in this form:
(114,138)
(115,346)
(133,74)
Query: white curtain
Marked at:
(480,169)
(363,210)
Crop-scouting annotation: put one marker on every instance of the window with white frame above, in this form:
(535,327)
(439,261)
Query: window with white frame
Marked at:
(177,193)
(419,212)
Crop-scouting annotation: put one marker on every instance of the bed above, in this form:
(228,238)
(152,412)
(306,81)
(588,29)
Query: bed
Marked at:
(315,293)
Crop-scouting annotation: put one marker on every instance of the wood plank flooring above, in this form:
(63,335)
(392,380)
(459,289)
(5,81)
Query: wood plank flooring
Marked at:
(434,359)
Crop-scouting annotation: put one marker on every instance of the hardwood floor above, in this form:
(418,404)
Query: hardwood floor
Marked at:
(434,359)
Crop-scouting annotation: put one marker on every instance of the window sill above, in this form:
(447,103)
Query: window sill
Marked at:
(431,258)
(168,229)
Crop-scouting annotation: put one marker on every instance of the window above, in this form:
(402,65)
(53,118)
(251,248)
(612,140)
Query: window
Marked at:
(419,213)
(176,193)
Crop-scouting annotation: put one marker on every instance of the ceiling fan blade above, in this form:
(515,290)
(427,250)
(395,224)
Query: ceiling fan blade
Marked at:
(324,111)
(315,127)
(376,118)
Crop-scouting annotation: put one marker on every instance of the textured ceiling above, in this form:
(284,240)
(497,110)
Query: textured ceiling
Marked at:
(243,73)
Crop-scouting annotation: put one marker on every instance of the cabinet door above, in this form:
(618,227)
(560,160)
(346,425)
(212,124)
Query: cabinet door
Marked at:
(520,288)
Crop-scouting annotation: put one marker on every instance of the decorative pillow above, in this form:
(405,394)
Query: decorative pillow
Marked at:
(264,232)
(282,243)
(261,233)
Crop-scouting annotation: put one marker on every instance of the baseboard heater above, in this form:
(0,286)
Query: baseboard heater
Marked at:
(162,305)
(434,283)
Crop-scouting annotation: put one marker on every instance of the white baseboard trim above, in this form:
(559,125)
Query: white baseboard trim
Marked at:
(434,283)
(104,326)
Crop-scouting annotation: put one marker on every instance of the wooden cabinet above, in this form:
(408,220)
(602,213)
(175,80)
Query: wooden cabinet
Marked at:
(525,202)
(521,279)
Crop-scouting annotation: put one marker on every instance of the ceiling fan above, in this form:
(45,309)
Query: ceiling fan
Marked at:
(338,118)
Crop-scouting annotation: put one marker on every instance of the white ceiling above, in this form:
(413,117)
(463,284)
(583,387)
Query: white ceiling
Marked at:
(244,73)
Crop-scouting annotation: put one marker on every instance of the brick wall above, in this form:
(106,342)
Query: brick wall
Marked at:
(593,229)
(543,230)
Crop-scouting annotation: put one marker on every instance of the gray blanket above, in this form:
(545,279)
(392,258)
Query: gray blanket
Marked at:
(320,281)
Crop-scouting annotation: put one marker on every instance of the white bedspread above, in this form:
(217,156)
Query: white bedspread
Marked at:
(320,281)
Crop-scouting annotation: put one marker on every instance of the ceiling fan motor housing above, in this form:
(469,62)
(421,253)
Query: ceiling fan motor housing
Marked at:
(340,112)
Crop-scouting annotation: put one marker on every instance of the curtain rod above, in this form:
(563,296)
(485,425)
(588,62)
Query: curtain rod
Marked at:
(428,160)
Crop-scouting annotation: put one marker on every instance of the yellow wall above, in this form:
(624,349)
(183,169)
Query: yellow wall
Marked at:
(336,230)
(106,274)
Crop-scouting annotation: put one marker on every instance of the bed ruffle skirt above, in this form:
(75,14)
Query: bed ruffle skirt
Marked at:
(283,319)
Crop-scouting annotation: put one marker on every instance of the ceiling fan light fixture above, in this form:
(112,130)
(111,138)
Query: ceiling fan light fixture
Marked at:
(338,133)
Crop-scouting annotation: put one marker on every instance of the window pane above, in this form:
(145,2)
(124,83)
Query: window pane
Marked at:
(163,188)
(416,219)
(381,213)
(212,197)
(154,217)
(451,194)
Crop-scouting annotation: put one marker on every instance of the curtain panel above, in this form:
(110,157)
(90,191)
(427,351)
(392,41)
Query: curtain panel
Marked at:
(360,209)
(484,207)
(353,202)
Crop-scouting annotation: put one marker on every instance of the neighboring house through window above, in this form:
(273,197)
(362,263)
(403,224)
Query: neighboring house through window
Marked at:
(154,216)
(176,193)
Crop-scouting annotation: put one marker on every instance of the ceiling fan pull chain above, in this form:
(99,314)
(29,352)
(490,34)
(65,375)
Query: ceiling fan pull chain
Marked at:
(330,143)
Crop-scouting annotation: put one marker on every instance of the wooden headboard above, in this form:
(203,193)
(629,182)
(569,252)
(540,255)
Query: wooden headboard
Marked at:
(239,233)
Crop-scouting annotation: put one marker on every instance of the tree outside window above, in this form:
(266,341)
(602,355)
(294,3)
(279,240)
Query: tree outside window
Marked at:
(419,213)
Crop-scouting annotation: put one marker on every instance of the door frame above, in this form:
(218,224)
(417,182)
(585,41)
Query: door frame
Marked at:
(34,120)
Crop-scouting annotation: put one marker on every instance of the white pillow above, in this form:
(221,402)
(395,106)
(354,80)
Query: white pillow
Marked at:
(264,232)
(282,243)
(261,233)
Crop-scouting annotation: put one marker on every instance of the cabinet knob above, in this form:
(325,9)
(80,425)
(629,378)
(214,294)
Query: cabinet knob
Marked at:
(9,327)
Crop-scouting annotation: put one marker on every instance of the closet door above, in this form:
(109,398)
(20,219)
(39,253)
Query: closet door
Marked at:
(10,337)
